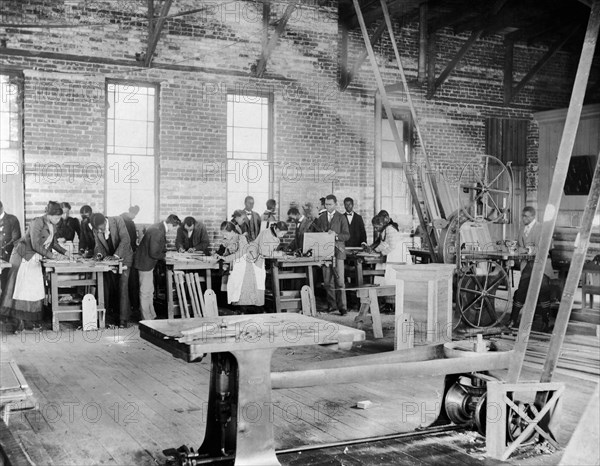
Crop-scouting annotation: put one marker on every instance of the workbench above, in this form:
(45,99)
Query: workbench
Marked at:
(239,420)
(180,261)
(364,265)
(284,268)
(75,273)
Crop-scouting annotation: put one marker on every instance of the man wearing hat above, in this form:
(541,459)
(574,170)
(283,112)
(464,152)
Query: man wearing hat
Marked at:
(152,248)
(112,242)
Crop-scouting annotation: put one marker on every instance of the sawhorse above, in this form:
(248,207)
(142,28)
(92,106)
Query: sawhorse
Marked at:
(368,302)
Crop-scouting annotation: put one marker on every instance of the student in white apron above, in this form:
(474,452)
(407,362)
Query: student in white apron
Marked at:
(22,300)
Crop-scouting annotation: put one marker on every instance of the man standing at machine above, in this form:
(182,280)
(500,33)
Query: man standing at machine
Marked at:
(528,241)
(334,223)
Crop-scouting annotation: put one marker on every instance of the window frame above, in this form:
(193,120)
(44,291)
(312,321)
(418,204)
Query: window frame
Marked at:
(270,140)
(156,156)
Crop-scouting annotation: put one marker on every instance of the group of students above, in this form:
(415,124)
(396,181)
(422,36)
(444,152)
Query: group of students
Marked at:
(246,240)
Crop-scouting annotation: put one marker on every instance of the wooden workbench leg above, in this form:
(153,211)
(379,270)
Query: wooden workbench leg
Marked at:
(54,297)
(375,315)
(170,304)
(359,274)
(311,284)
(208,280)
(100,288)
(276,286)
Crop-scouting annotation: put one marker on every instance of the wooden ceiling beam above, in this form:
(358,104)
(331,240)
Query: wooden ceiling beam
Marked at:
(394,7)
(156,31)
(510,94)
(450,67)
(346,79)
(261,65)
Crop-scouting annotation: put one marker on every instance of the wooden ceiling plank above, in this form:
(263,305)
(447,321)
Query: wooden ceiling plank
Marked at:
(268,51)
(153,39)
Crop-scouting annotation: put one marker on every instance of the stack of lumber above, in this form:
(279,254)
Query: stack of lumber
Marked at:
(579,356)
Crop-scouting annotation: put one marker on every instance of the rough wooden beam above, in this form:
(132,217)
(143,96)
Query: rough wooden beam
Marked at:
(559,177)
(542,61)
(486,19)
(344,73)
(395,7)
(422,72)
(363,56)
(153,39)
(509,48)
(261,65)
(431,59)
(450,67)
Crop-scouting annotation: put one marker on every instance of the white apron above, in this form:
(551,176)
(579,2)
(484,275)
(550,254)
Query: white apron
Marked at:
(236,278)
(29,285)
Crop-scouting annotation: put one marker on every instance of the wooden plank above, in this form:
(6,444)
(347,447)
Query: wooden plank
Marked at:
(190,286)
(200,295)
(375,315)
(556,192)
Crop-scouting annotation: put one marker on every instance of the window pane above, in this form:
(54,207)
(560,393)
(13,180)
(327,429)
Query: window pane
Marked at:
(130,150)
(248,115)
(247,140)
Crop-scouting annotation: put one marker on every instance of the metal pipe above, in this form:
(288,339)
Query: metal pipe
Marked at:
(341,443)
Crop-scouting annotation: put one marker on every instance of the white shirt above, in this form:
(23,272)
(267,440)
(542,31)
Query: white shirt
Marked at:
(2,215)
(349,216)
(330,216)
(528,228)
(300,219)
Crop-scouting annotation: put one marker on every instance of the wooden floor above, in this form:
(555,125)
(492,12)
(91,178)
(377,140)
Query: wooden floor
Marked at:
(111,398)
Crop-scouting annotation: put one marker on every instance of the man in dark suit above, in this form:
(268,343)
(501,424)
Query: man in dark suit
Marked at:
(192,236)
(112,241)
(358,234)
(334,223)
(528,241)
(10,232)
(134,283)
(303,224)
(129,217)
(86,238)
(253,220)
(152,248)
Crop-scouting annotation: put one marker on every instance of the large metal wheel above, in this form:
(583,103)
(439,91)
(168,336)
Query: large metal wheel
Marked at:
(488,184)
(516,424)
(484,294)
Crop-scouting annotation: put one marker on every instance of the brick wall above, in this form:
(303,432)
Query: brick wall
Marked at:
(321,135)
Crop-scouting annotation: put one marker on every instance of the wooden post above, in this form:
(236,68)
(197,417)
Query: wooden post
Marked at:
(558,181)
(509,47)
(566,304)
(431,56)
(422,74)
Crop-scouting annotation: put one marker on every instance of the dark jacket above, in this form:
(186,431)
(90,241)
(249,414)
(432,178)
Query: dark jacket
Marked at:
(10,232)
(340,226)
(152,248)
(358,234)
(34,239)
(86,238)
(253,222)
(68,228)
(119,238)
(199,240)
(131,229)
(301,228)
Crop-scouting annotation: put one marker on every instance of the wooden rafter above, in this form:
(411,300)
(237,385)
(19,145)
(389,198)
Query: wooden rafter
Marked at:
(422,70)
(509,91)
(346,79)
(450,67)
(261,65)
(156,31)
(394,6)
